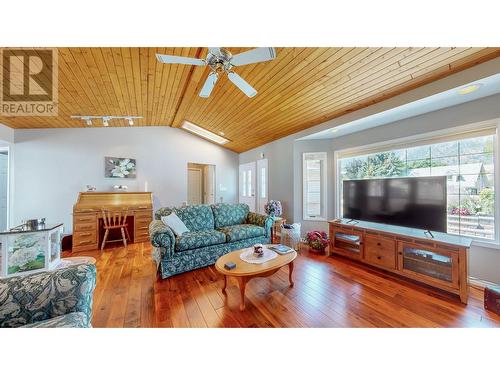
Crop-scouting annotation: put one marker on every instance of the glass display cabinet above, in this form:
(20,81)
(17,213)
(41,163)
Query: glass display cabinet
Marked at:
(29,250)
(431,264)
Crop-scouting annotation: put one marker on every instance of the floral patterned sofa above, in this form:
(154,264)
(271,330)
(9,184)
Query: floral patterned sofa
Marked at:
(214,230)
(59,298)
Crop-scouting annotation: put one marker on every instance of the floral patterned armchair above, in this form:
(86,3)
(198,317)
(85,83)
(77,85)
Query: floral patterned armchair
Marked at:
(214,230)
(59,298)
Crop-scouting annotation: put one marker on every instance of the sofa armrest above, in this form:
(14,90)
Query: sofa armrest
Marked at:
(46,295)
(261,221)
(162,238)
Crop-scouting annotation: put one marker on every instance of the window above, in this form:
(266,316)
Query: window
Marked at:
(314,186)
(468,162)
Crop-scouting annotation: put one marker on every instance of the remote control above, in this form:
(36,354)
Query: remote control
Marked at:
(229,266)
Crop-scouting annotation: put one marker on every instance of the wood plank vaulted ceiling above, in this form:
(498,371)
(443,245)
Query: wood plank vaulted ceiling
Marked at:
(301,88)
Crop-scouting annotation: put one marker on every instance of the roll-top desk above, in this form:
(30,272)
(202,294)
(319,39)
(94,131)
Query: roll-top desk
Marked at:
(87,216)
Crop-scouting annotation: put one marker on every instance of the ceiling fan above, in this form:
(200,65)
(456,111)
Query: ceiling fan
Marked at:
(221,61)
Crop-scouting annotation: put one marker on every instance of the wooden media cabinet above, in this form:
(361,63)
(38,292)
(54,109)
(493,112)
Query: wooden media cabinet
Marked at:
(438,259)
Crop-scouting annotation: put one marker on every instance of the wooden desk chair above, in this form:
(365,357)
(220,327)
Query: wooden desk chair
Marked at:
(115,220)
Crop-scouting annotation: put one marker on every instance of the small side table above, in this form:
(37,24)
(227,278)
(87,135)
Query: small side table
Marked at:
(276,230)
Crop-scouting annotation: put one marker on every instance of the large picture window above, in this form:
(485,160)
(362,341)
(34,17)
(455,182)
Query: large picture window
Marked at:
(468,164)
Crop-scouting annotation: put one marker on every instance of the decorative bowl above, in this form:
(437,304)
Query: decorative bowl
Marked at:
(258,250)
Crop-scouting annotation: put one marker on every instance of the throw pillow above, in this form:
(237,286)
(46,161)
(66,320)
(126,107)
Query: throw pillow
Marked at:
(175,223)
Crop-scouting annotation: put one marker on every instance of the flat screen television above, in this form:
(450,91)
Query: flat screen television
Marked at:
(416,202)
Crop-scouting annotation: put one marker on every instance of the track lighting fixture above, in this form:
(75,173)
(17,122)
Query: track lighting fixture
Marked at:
(106,119)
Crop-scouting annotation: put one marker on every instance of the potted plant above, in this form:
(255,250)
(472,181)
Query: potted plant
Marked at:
(317,240)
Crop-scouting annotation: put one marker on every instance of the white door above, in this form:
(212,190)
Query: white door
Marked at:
(262,185)
(247,185)
(209,180)
(194,186)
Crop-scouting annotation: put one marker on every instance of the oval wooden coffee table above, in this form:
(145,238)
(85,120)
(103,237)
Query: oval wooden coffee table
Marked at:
(246,271)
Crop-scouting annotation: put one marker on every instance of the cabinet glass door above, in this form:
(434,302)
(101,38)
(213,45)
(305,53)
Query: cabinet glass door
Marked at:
(438,265)
(348,243)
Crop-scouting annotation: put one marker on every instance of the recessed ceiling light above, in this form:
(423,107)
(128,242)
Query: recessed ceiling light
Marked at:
(204,133)
(468,89)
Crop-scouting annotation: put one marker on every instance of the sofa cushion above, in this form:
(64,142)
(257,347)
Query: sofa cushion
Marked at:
(242,232)
(196,217)
(226,214)
(194,240)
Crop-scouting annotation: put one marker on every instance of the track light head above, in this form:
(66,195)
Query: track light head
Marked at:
(105,121)
(130,121)
(88,121)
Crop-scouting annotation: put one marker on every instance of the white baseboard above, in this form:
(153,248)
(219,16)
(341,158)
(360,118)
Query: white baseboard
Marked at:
(481,283)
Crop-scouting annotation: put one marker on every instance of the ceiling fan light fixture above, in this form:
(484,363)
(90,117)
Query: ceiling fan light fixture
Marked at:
(195,129)
(221,61)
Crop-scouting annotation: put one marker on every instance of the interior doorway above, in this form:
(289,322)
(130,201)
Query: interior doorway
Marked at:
(201,183)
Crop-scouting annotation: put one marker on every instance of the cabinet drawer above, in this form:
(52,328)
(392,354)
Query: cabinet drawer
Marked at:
(84,219)
(85,227)
(141,235)
(85,235)
(380,252)
(142,221)
(144,215)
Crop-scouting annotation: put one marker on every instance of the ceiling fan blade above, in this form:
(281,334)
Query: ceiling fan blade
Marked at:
(254,56)
(214,51)
(242,84)
(170,59)
(209,85)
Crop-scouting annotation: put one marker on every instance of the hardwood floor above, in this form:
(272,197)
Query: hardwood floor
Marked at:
(328,292)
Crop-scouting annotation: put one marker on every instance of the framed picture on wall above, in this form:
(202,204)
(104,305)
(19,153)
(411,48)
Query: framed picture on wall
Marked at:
(119,167)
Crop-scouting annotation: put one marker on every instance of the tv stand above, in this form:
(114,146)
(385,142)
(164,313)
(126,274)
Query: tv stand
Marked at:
(440,261)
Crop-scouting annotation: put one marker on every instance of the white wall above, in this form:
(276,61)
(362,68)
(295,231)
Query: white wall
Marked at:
(6,135)
(50,167)
(280,156)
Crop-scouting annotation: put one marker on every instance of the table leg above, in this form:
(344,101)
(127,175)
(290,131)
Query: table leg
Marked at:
(242,281)
(290,272)
(225,284)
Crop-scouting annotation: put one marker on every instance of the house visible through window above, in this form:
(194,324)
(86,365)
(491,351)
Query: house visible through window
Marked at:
(468,165)
(314,186)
